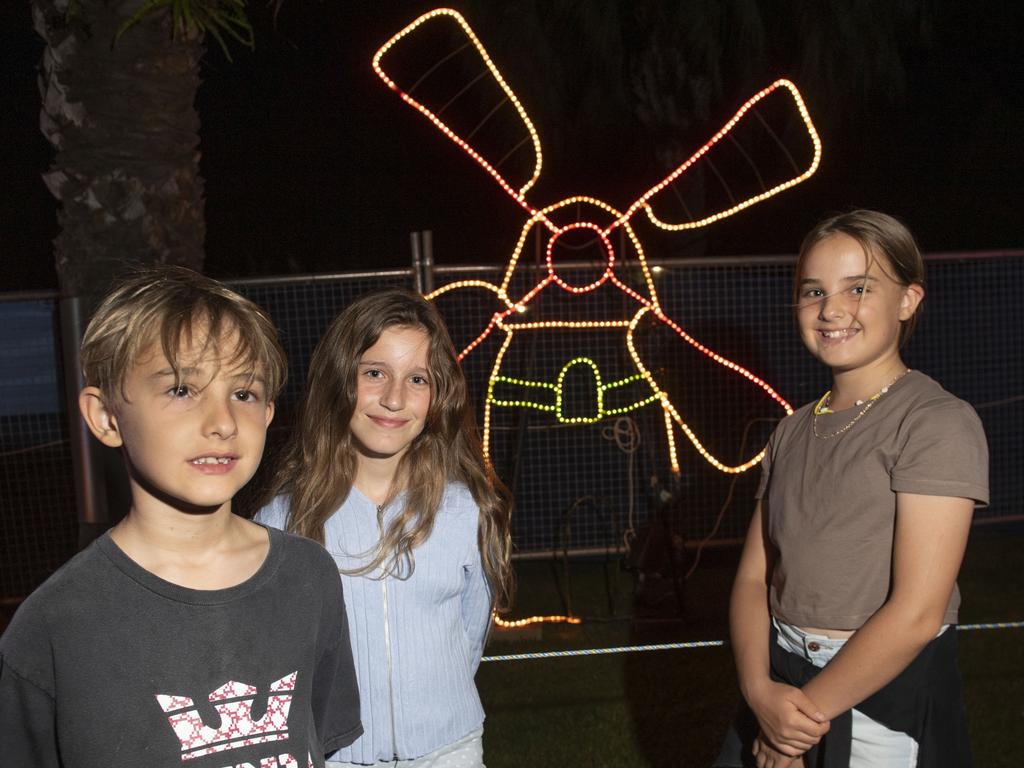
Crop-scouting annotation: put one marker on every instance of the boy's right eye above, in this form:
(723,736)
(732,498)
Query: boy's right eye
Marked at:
(178,390)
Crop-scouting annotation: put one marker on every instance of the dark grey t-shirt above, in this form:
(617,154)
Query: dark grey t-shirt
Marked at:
(108,665)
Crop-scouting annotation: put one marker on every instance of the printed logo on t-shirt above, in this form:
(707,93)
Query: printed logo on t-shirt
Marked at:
(233,702)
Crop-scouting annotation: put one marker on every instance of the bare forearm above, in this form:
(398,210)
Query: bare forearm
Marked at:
(931,533)
(749,623)
(873,656)
(790,720)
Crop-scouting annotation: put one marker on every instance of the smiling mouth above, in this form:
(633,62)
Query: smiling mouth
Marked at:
(839,335)
(212,460)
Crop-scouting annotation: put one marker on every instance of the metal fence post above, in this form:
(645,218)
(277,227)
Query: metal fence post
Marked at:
(428,260)
(90,493)
(417,261)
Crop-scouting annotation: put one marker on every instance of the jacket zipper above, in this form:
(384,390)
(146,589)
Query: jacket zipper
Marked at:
(387,642)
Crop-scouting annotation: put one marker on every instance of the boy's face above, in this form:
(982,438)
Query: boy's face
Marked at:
(191,443)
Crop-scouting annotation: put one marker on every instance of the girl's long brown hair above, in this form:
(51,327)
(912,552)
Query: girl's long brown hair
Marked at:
(318,466)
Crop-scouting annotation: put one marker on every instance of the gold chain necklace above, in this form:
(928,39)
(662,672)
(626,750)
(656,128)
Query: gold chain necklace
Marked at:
(822,408)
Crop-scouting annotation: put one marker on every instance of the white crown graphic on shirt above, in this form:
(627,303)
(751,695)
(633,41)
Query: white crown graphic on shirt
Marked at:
(233,702)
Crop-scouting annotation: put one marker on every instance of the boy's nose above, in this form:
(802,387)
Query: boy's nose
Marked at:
(220,420)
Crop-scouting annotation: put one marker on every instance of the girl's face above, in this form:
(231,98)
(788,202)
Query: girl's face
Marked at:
(392,393)
(850,309)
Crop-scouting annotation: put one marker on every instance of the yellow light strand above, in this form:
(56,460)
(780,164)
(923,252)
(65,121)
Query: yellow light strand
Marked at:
(516,623)
(536,217)
(673,455)
(599,391)
(522,404)
(471,284)
(490,395)
(627,408)
(623,382)
(707,454)
(525,383)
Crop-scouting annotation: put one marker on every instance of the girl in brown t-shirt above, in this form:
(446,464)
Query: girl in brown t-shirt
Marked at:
(862,518)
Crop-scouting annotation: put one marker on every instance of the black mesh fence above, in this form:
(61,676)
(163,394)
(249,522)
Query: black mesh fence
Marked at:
(38,529)
(573,426)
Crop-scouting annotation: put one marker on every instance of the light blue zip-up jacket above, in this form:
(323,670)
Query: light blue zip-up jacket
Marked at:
(416,642)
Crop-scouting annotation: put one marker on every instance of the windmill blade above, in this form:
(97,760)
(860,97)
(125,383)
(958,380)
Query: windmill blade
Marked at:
(438,66)
(768,146)
(713,400)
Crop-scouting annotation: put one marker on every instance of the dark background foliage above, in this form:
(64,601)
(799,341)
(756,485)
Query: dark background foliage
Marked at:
(311,164)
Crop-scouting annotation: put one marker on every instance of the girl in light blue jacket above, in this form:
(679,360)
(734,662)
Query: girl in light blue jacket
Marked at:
(386,471)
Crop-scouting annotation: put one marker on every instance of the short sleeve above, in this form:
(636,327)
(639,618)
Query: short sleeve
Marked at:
(335,691)
(28,735)
(766,468)
(943,452)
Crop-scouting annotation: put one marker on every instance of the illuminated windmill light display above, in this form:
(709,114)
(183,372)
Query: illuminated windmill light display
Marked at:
(639,388)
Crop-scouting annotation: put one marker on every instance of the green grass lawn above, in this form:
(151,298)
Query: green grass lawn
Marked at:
(670,708)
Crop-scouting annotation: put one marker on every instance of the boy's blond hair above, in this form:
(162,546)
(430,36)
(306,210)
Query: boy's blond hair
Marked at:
(177,307)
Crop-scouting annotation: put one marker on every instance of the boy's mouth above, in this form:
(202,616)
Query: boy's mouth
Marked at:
(213,460)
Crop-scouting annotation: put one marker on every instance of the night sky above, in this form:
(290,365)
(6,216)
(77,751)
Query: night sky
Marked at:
(312,165)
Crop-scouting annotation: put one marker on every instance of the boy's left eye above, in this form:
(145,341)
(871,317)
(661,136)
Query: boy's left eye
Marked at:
(419,379)
(246,396)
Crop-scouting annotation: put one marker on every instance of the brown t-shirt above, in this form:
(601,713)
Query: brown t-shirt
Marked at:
(830,505)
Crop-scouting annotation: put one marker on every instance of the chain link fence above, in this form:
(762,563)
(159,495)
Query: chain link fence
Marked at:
(570,431)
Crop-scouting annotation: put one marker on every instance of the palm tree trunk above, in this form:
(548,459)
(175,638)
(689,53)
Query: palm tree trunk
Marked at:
(123,121)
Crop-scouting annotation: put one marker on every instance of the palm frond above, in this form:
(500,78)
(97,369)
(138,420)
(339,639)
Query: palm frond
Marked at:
(221,19)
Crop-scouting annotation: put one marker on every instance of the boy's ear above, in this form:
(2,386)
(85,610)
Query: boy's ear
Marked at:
(913,295)
(99,417)
(270,412)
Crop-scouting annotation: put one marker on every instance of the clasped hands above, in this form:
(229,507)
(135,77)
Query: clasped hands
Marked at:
(790,724)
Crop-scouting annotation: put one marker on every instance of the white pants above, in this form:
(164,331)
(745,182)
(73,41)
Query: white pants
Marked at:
(467,752)
(872,744)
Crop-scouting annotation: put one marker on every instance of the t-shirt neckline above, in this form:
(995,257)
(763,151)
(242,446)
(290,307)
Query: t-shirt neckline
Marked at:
(894,388)
(178,593)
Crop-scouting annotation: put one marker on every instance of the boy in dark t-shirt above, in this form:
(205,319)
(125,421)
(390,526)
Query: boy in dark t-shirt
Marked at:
(186,636)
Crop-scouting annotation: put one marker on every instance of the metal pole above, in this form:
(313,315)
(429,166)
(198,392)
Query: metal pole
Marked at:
(417,261)
(89,481)
(428,261)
